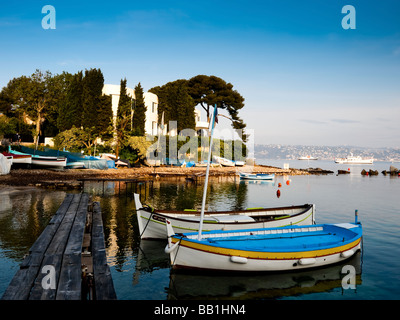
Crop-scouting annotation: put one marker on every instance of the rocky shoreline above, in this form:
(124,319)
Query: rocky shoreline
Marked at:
(71,178)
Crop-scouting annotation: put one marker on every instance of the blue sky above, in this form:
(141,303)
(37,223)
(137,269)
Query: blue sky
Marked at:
(304,78)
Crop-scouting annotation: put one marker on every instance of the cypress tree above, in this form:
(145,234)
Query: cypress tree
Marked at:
(125,102)
(139,115)
(97,109)
(92,91)
(104,116)
(70,111)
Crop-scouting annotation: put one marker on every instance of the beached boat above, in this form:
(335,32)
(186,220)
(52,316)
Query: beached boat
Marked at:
(256,176)
(17,159)
(354,160)
(5,164)
(267,249)
(49,162)
(43,161)
(239,163)
(75,165)
(224,162)
(152,221)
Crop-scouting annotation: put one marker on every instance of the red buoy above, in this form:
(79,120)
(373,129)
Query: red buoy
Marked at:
(278,193)
(287,182)
(279,185)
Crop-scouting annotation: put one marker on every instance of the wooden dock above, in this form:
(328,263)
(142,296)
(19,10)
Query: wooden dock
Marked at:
(68,260)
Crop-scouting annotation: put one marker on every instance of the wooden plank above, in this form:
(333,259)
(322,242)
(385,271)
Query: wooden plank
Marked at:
(70,283)
(104,286)
(54,253)
(22,282)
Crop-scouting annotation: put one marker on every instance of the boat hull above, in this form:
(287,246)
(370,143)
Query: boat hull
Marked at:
(255,176)
(344,161)
(217,256)
(152,224)
(49,162)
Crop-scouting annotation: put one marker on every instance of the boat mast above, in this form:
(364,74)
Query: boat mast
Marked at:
(203,203)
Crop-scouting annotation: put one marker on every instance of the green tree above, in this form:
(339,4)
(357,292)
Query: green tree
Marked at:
(36,96)
(70,108)
(96,107)
(176,103)
(92,91)
(125,101)
(123,117)
(209,91)
(76,138)
(139,113)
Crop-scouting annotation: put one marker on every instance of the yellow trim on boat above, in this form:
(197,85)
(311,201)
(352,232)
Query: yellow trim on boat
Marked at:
(266,255)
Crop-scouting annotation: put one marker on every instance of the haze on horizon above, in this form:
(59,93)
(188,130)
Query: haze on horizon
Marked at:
(305,79)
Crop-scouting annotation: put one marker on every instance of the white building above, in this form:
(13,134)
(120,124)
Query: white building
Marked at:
(150,101)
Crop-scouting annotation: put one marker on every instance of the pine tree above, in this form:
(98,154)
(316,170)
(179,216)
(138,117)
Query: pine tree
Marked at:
(139,114)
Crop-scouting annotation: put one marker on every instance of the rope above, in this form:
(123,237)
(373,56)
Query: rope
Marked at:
(178,249)
(147,223)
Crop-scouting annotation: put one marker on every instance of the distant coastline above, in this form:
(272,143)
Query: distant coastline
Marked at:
(293,152)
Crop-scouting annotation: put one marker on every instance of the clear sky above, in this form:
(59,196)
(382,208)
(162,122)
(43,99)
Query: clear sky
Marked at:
(305,79)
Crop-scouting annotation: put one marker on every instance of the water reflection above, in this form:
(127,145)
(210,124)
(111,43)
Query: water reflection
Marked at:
(24,213)
(222,194)
(260,286)
(195,285)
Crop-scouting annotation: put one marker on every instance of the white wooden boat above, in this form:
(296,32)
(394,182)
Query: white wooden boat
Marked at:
(267,249)
(75,165)
(224,162)
(354,160)
(5,164)
(256,176)
(261,249)
(152,221)
(43,161)
(19,158)
(49,162)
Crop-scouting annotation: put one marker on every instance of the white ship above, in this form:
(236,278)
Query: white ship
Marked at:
(355,160)
(308,158)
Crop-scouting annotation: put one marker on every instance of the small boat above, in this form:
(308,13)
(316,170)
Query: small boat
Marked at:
(42,161)
(152,222)
(19,159)
(75,165)
(239,163)
(49,162)
(256,176)
(224,162)
(266,249)
(354,160)
(308,158)
(5,164)
(261,249)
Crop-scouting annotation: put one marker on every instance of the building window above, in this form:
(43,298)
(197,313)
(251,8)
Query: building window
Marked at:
(153,107)
(154,128)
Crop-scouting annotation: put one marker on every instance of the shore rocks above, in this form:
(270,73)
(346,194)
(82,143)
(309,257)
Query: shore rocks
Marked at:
(369,173)
(318,171)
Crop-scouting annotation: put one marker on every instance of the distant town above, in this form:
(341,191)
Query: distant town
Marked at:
(293,152)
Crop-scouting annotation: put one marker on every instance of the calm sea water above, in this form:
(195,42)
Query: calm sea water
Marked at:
(140,269)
